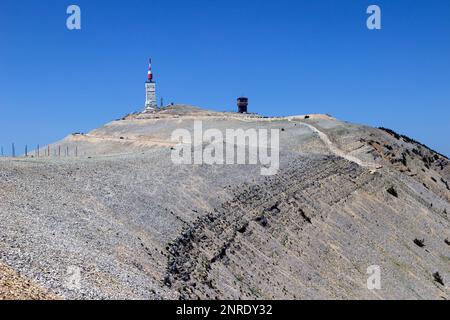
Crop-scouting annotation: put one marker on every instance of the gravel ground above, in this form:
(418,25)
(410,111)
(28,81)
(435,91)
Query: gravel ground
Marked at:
(15,287)
(136,226)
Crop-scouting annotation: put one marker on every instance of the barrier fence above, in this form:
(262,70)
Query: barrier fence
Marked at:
(38,153)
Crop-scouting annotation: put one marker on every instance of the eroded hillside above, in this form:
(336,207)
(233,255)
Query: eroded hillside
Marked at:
(137,226)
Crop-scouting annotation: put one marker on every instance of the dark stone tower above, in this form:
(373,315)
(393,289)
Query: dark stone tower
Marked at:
(242,103)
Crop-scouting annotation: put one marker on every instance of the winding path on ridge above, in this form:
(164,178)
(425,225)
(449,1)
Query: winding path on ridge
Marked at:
(338,152)
(330,145)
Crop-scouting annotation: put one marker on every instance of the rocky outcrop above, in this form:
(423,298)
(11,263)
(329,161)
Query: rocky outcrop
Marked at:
(311,232)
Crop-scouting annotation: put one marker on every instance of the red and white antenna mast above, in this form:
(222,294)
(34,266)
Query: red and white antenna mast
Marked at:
(150,90)
(150,73)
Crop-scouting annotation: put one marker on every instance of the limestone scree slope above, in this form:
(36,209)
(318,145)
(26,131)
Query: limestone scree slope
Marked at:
(108,215)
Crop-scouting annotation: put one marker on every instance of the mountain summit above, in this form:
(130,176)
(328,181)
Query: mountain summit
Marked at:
(111,208)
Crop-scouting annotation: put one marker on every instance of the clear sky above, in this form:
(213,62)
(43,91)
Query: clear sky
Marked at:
(288,57)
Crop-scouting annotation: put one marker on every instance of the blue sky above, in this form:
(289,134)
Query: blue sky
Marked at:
(288,57)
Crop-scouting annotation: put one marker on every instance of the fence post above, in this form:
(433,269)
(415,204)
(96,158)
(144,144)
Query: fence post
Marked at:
(59,151)
(26,151)
(13,150)
(37,150)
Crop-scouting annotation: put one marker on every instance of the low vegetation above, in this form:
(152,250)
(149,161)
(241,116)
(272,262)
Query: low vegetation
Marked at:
(392,192)
(409,140)
(438,278)
(420,243)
